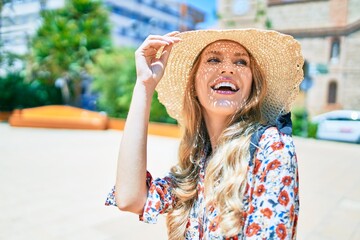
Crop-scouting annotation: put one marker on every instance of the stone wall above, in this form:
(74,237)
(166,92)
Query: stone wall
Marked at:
(300,15)
(353,11)
(351,57)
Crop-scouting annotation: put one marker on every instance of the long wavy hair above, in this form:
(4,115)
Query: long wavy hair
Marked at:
(226,172)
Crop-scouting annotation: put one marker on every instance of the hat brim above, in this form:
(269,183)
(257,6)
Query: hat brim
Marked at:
(278,55)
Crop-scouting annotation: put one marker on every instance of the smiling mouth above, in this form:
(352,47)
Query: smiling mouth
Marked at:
(225,88)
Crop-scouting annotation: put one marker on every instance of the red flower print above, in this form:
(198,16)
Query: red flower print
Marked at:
(247,187)
(283,198)
(252,229)
(188,223)
(273,165)
(262,137)
(266,212)
(251,193)
(214,224)
(243,219)
(294,226)
(277,146)
(257,166)
(259,190)
(233,238)
(251,208)
(292,212)
(296,190)
(281,231)
(286,180)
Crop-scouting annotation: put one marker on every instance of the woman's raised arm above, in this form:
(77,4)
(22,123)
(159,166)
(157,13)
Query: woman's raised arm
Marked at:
(130,187)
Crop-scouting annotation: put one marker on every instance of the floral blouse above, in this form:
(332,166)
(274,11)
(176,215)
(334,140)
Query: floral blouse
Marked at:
(271,201)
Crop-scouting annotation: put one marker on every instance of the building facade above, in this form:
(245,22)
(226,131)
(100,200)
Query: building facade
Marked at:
(329,32)
(132,20)
(19,21)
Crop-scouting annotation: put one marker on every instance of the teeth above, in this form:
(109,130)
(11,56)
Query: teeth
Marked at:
(225,84)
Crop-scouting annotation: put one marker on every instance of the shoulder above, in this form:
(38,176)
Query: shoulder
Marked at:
(273,139)
(275,145)
(275,155)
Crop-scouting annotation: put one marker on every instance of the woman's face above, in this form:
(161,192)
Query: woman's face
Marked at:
(224,78)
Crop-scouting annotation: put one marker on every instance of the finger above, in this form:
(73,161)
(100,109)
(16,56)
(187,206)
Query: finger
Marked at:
(169,39)
(151,47)
(171,34)
(154,47)
(165,54)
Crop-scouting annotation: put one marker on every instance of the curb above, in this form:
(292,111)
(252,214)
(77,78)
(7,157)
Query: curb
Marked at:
(160,129)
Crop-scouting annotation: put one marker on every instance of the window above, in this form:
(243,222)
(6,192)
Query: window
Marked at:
(332,92)
(335,50)
(283,2)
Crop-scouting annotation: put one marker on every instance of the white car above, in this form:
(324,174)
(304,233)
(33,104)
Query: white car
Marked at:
(339,125)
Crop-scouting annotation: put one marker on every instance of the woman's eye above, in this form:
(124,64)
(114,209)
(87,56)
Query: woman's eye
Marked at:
(213,60)
(241,62)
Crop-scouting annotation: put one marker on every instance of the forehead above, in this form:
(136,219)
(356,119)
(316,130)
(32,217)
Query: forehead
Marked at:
(225,46)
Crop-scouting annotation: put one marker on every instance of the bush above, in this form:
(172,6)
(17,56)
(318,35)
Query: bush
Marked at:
(300,121)
(16,93)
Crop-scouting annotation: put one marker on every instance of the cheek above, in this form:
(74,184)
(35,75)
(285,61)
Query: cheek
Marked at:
(202,79)
(205,72)
(247,81)
(200,88)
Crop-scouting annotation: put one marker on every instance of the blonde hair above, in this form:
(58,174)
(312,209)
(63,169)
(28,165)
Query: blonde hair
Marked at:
(225,178)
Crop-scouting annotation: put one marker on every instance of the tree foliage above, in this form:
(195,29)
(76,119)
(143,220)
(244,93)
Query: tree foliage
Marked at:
(114,78)
(67,41)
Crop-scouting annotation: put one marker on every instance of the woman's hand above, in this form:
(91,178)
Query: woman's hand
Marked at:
(149,68)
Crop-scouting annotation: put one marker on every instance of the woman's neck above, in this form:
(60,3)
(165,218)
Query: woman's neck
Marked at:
(215,126)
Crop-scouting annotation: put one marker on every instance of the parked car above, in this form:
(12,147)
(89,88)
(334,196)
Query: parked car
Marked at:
(339,125)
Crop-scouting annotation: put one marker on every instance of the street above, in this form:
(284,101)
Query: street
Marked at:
(53,185)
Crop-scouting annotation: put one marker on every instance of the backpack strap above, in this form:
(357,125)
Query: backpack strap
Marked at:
(283,124)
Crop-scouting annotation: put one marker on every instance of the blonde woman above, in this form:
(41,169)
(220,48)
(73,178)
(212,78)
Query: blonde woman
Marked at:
(231,92)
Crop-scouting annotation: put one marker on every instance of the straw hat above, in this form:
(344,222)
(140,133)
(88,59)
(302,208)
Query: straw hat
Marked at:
(278,55)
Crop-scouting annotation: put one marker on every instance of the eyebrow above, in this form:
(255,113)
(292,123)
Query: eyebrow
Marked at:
(213,52)
(236,54)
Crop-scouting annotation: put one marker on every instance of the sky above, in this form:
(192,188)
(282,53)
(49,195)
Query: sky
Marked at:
(208,6)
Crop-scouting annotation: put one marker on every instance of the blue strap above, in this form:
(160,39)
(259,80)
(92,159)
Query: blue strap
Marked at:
(283,124)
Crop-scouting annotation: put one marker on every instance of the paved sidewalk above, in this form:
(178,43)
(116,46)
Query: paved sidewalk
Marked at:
(53,185)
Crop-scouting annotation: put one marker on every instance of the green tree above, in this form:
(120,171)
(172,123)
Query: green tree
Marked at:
(114,77)
(67,42)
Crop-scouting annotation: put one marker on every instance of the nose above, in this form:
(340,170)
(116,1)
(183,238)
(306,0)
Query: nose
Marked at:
(227,68)
(224,71)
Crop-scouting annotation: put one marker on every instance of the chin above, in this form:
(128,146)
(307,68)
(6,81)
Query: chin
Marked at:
(224,110)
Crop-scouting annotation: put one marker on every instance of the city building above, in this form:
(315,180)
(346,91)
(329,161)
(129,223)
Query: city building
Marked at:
(329,32)
(132,20)
(19,21)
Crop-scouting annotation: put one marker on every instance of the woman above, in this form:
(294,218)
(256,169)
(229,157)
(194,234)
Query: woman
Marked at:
(230,90)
